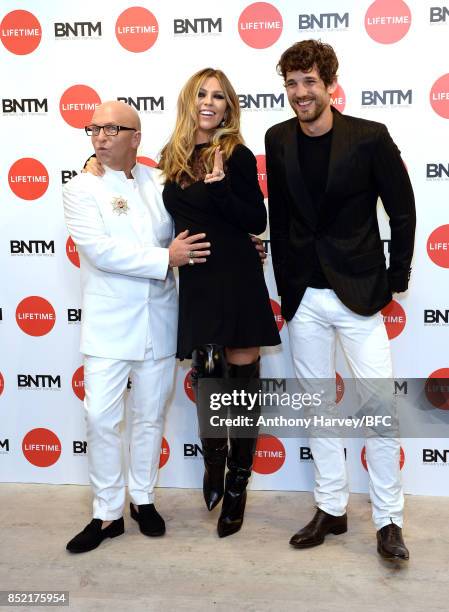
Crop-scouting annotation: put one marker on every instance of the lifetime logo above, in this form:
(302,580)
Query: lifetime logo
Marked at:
(38,381)
(438,14)
(188,386)
(24,106)
(437,388)
(2,383)
(136,29)
(269,456)
(388,21)
(41,447)
(365,464)
(73,315)
(262,174)
(78,104)
(278,318)
(78,29)
(338,99)
(67,175)
(324,21)
(434,455)
(20,32)
(144,103)
(72,252)
(437,171)
(438,246)
(78,383)
(387,97)
(394,319)
(28,178)
(4,445)
(261,101)
(165,453)
(200,25)
(35,316)
(439,96)
(32,247)
(436,317)
(260,25)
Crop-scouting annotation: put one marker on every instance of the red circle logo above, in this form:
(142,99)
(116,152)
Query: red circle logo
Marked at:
(78,104)
(165,453)
(387,21)
(72,253)
(437,388)
(394,319)
(340,386)
(262,174)
(136,29)
(20,32)
(78,383)
(438,246)
(276,308)
(439,96)
(35,316)
(365,465)
(260,25)
(147,161)
(338,98)
(28,178)
(41,447)
(269,456)
(2,383)
(188,386)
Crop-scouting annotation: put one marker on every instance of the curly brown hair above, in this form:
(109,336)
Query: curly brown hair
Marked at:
(305,55)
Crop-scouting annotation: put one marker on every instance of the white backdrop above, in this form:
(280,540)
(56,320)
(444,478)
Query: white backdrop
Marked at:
(59,58)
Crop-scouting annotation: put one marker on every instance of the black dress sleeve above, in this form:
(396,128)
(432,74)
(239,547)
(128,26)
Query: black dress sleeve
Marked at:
(238,196)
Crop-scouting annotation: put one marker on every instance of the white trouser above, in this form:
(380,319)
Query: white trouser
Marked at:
(105,382)
(321,316)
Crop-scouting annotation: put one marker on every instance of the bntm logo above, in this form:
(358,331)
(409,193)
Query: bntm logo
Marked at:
(279,319)
(269,456)
(28,178)
(136,29)
(20,32)
(165,453)
(387,21)
(260,25)
(35,316)
(394,319)
(438,246)
(41,447)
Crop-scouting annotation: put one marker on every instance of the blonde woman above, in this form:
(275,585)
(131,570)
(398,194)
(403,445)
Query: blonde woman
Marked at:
(211,187)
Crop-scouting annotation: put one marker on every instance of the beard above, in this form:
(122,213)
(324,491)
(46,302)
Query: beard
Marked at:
(308,115)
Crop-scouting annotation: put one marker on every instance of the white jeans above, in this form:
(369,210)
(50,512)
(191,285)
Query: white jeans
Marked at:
(105,382)
(313,331)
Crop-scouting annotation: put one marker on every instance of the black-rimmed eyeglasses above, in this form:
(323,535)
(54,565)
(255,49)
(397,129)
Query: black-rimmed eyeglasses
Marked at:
(109,130)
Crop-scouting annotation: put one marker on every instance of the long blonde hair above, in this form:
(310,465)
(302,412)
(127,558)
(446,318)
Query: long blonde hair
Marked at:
(176,156)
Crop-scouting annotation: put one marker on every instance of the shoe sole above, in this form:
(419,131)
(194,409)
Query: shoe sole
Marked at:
(389,556)
(153,534)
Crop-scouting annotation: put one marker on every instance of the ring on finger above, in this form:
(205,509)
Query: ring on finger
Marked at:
(192,254)
(191,261)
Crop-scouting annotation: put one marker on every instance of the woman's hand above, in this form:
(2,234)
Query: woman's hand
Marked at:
(217,173)
(94,166)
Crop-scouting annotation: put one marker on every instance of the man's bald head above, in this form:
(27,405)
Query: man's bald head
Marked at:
(117,113)
(117,152)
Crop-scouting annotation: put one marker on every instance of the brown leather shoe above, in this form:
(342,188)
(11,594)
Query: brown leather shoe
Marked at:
(314,532)
(390,544)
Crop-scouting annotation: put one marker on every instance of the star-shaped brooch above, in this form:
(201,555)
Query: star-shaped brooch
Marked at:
(120,205)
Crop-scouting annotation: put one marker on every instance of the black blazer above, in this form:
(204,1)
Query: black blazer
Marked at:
(364,164)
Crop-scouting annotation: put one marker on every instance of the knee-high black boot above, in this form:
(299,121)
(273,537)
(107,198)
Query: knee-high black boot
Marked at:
(240,458)
(208,361)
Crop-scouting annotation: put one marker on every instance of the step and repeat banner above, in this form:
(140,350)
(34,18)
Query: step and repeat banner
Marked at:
(59,59)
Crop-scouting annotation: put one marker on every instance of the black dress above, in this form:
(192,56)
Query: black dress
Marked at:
(225,300)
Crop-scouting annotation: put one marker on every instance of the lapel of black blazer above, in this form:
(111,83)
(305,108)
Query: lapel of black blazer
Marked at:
(340,147)
(295,181)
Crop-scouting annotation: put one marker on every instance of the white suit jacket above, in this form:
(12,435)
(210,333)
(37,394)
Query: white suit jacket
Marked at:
(127,288)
